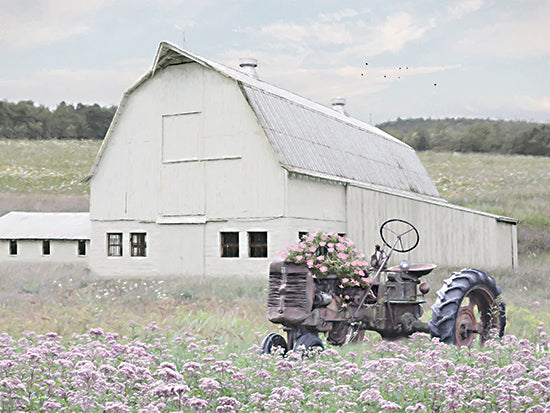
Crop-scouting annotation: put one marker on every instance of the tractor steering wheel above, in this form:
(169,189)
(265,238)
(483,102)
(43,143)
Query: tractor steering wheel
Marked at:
(403,234)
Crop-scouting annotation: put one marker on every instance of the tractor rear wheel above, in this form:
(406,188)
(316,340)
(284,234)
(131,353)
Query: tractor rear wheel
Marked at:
(469,305)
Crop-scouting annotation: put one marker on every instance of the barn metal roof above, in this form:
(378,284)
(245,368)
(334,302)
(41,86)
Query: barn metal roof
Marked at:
(308,136)
(45,225)
(306,139)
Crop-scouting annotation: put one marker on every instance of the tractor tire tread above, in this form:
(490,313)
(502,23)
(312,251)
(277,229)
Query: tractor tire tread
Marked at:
(450,296)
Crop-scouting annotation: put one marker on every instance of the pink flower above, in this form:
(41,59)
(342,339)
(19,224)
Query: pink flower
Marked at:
(342,256)
(299,257)
(345,280)
(341,247)
(323,268)
(309,263)
(322,243)
(312,249)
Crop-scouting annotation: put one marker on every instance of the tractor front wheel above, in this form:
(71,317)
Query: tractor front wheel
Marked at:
(272,342)
(468,306)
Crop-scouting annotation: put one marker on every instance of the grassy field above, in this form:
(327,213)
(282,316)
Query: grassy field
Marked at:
(514,186)
(47,175)
(194,340)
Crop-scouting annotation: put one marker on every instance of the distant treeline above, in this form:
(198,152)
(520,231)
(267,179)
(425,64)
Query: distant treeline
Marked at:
(472,135)
(25,120)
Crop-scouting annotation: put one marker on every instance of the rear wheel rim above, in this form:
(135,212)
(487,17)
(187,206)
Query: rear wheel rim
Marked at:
(476,316)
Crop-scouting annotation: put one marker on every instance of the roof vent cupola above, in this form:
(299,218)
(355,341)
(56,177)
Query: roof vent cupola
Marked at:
(248,65)
(338,104)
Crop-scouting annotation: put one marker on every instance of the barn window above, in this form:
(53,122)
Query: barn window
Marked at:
(229,244)
(138,244)
(13,247)
(114,244)
(257,244)
(302,234)
(46,247)
(82,247)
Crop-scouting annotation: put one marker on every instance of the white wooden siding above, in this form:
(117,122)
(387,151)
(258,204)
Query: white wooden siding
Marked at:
(281,232)
(311,198)
(61,251)
(448,235)
(181,137)
(181,189)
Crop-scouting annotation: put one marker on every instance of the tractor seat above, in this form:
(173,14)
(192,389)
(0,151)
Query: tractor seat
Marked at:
(418,270)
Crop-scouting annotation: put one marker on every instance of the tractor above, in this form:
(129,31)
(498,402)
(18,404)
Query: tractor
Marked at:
(469,306)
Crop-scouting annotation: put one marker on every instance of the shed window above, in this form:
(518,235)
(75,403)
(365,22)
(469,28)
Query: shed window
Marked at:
(229,244)
(46,247)
(257,244)
(138,244)
(114,244)
(82,247)
(13,247)
(302,234)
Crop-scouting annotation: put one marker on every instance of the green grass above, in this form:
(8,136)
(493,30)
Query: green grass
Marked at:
(516,186)
(46,166)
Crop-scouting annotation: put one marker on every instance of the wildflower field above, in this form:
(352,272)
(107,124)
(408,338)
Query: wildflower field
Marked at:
(72,342)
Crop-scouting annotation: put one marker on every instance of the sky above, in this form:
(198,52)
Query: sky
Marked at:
(387,58)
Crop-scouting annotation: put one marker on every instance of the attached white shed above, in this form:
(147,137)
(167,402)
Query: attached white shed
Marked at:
(44,237)
(207,170)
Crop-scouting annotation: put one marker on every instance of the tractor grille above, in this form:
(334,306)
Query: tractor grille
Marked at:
(290,298)
(294,294)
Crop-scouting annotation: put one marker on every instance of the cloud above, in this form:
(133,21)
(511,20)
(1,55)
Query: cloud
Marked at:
(530,103)
(340,15)
(463,7)
(31,24)
(396,31)
(517,34)
(336,37)
(105,87)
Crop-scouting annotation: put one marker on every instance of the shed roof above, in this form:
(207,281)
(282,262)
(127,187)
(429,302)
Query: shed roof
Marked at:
(45,225)
(310,137)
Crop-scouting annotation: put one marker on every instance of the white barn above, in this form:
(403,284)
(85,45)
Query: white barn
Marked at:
(45,237)
(207,170)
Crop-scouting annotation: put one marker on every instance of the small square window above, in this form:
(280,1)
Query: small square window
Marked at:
(114,244)
(82,247)
(13,247)
(46,247)
(302,234)
(229,244)
(257,244)
(138,244)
